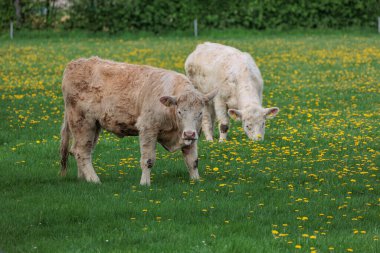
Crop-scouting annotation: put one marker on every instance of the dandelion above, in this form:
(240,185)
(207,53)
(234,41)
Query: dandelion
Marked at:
(19,96)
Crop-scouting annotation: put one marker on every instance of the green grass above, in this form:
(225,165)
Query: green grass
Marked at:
(313,183)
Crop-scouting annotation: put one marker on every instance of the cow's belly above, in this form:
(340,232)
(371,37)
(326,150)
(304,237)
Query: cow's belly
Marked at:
(120,126)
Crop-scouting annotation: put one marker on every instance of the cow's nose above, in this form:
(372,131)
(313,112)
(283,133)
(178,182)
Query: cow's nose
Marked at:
(189,134)
(258,137)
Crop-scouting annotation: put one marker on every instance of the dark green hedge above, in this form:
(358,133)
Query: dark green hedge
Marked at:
(6,13)
(162,15)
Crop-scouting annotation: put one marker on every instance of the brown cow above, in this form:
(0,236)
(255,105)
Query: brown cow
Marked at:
(128,100)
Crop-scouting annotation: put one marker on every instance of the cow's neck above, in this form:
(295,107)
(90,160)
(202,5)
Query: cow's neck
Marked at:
(248,96)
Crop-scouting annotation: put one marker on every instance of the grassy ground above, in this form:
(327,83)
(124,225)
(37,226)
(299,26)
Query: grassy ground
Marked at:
(311,186)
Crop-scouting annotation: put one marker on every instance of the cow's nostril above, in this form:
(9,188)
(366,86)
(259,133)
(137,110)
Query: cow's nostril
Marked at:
(189,134)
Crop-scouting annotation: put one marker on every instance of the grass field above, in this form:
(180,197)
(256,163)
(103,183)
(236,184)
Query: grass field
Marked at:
(311,186)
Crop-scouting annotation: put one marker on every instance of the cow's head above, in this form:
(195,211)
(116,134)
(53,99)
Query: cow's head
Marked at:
(253,119)
(188,110)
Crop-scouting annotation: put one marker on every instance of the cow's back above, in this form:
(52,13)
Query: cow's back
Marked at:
(98,75)
(98,81)
(117,95)
(213,66)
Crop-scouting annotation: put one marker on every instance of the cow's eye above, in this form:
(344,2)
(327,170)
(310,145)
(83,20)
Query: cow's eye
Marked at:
(179,112)
(200,114)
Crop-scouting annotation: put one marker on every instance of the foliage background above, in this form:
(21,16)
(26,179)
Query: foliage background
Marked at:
(162,15)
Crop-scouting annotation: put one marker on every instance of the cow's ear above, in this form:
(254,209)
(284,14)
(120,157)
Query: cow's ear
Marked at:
(209,96)
(235,114)
(168,101)
(271,112)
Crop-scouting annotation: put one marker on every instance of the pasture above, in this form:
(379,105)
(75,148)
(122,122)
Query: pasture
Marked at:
(311,186)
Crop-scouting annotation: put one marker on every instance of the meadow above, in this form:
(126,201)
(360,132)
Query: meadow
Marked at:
(311,186)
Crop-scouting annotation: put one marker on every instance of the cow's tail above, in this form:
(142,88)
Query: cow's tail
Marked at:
(64,150)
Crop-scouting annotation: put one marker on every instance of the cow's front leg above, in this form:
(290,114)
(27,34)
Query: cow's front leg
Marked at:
(208,122)
(190,154)
(223,119)
(148,155)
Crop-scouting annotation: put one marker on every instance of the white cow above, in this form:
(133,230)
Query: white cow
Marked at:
(240,85)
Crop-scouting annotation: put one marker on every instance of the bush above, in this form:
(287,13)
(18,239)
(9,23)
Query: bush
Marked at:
(6,13)
(161,15)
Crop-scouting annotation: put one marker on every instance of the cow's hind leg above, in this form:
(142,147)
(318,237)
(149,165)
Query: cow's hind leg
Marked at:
(84,134)
(223,119)
(190,154)
(98,129)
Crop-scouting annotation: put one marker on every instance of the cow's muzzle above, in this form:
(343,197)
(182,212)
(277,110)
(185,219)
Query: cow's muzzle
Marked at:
(257,137)
(189,137)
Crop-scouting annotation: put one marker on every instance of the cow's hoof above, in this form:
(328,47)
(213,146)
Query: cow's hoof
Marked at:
(222,140)
(93,179)
(195,176)
(209,139)
(145,182)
